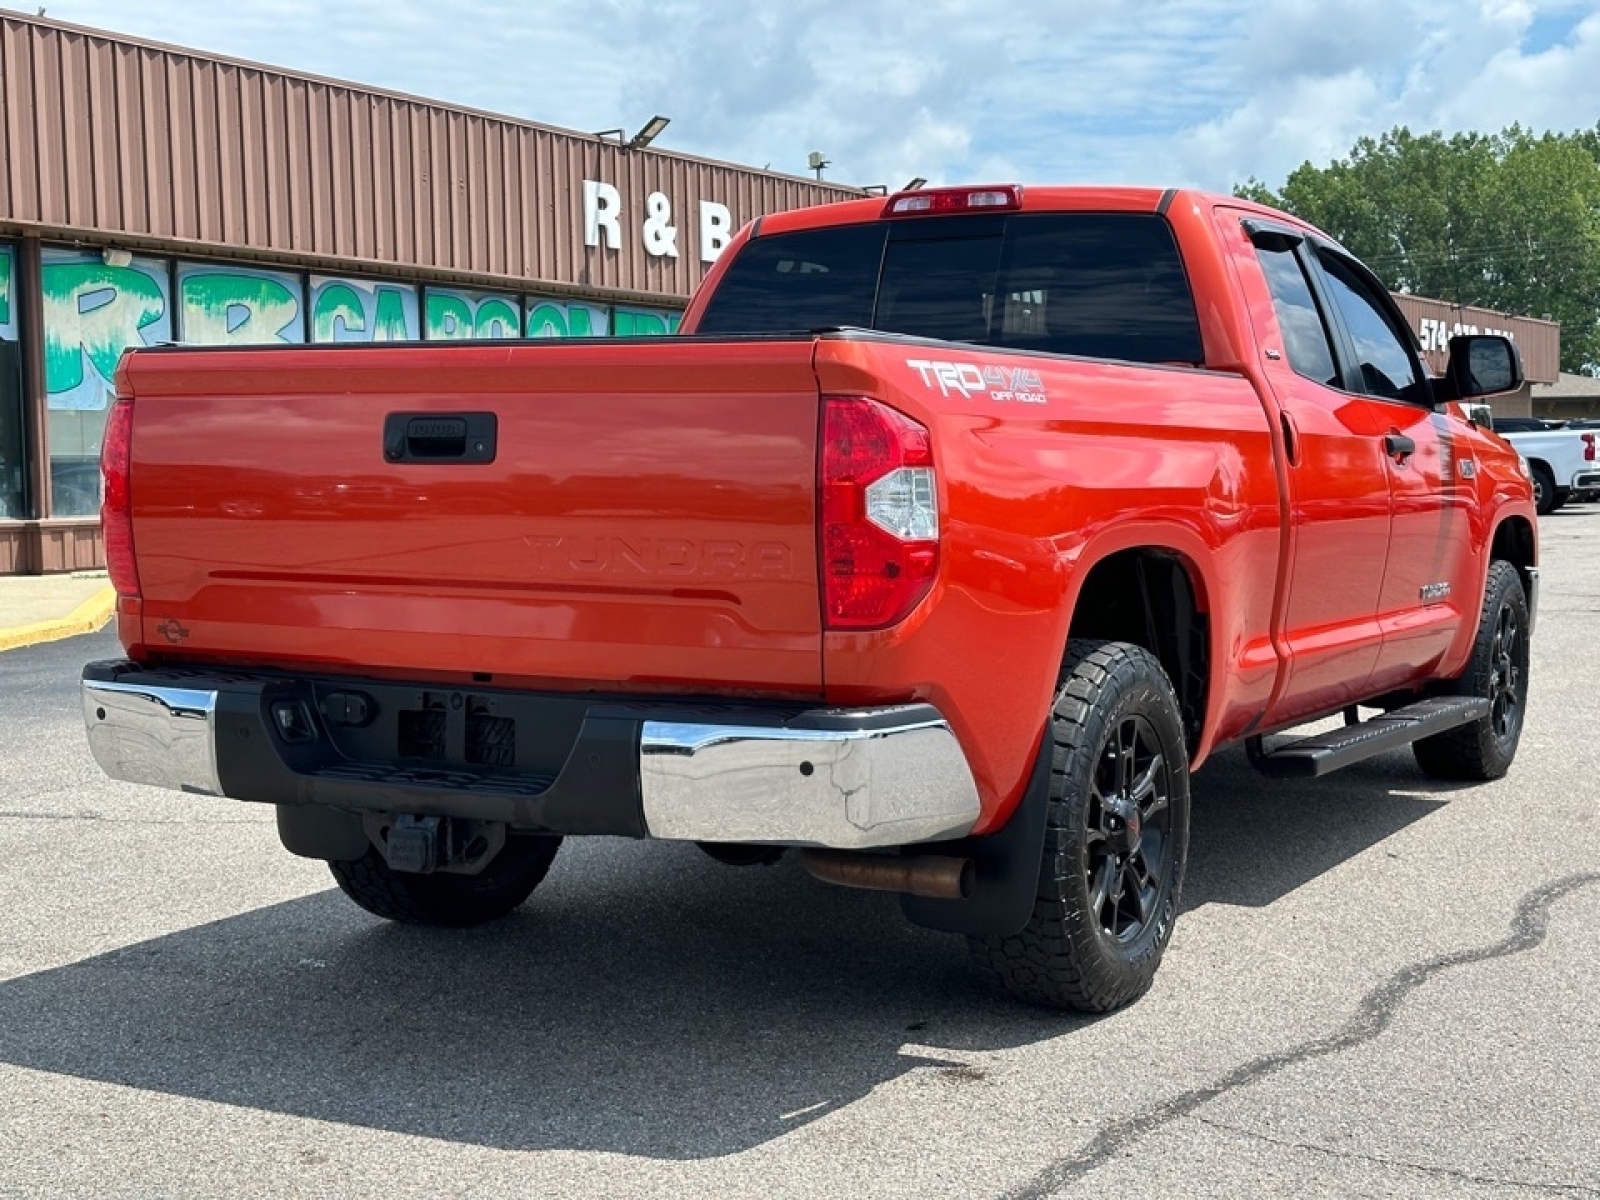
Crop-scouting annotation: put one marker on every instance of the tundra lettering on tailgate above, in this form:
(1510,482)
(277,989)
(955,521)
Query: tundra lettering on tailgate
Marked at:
(679,558)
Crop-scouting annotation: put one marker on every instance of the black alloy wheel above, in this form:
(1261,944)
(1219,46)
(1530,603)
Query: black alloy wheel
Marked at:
(1128,844)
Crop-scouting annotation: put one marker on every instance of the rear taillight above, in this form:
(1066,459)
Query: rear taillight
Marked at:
(937,201)
(116,508)
(880,514)
(1588,447)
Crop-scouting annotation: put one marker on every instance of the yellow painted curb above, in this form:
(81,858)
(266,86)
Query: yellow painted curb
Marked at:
(89,616)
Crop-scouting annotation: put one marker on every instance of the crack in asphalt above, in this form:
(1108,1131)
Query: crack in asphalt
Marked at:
(1377,1010)
(1400,1163)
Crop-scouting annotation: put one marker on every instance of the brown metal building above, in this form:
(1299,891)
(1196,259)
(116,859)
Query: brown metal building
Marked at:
(152,193)
(1435,322)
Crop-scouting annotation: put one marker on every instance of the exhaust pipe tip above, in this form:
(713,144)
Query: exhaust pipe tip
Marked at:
(933,876)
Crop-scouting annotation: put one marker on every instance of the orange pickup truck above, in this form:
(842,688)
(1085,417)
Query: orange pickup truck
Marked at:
(961,526)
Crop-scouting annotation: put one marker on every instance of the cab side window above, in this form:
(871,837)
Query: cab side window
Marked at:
(1389,370)
(1305,337)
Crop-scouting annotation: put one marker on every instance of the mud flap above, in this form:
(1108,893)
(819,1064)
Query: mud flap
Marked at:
(1007,865)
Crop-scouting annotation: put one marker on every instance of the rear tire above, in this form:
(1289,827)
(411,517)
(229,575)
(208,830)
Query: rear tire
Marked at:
(1484,749)
(446,899)
(1544,489)
(1116,839)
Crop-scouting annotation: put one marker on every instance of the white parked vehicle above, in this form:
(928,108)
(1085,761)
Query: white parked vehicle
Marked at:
(1561,461)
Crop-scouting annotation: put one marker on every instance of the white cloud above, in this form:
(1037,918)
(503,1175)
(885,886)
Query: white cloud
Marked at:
(1182,91)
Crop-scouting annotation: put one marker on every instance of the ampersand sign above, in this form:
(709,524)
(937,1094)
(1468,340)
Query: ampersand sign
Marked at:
(660,237)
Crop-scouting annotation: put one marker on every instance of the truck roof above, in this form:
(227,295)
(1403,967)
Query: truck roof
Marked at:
(1035,198)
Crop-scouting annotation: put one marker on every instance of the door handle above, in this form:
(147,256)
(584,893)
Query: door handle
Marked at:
(440,437)
(1398,446)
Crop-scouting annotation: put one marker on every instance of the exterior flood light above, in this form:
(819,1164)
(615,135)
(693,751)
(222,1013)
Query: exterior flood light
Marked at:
(651,131)
(919,181)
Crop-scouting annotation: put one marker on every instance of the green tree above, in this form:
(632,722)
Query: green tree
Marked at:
(1508,221)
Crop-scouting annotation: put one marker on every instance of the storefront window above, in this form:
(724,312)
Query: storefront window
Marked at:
(93,311)
(363,310)
(223,305)
(13,499)
(455,315)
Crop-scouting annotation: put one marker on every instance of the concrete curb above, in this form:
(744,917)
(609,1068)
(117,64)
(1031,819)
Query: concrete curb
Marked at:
(89,616)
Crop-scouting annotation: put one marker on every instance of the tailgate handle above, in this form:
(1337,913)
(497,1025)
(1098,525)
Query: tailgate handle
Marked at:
(440,437)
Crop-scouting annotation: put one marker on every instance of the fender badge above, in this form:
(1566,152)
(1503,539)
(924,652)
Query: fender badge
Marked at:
(1467,467)
(1434,591)
(172,631)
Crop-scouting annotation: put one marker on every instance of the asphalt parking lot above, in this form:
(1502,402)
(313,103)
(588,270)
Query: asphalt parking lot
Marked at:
(1380,986)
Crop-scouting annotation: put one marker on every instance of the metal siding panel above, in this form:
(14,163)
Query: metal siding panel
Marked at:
(457,212)
(351,176)
(322,230)
(389,198)
(76,117)
(106,138)
(133,210)
(180,100)
(255,188)
(301,182)
(155,134)
(49,204)
(423,158)
(208,188)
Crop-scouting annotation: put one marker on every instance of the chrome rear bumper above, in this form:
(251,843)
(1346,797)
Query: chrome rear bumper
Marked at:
(849,779)
(864,782)
(148,733)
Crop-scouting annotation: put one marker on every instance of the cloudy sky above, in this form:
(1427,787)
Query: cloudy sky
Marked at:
(1197,92)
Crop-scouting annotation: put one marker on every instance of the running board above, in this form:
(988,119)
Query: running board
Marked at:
(1325,752)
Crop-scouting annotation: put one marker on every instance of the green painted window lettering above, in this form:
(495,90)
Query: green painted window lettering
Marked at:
(497,318)
(449,318)
(389,322)
(229,309)
(96,312)
(633,323)
(338,310)
(547,320)
(5,290)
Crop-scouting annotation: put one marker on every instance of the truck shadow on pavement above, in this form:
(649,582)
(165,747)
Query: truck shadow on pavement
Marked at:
(1253,840)
(646,1001)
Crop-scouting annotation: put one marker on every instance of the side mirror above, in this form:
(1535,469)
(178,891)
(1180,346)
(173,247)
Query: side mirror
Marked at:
(1481,364)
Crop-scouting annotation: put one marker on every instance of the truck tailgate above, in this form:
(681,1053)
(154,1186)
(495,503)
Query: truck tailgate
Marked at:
(648,517)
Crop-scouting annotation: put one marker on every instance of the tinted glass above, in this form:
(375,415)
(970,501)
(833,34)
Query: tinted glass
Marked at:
(1388,368)
(1305,338)
(1100,285)
(797,281)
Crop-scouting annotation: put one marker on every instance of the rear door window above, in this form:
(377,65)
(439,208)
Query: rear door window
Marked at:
(1102,285)
(1305,337)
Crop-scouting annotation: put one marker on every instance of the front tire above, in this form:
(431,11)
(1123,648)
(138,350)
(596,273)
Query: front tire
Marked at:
(1116,839)
(1483,750)
(446,899)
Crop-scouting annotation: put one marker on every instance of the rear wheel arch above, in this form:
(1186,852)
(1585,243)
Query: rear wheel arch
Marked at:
(1155,597)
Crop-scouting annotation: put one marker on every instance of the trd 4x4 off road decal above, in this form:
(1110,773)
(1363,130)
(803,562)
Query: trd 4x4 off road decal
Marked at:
(970,379)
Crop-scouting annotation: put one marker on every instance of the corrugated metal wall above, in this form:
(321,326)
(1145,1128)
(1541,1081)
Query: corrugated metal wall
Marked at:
(104,135)
(1434,322)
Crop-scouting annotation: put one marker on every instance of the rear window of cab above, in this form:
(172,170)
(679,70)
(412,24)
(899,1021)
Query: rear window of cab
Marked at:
(1100,285)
